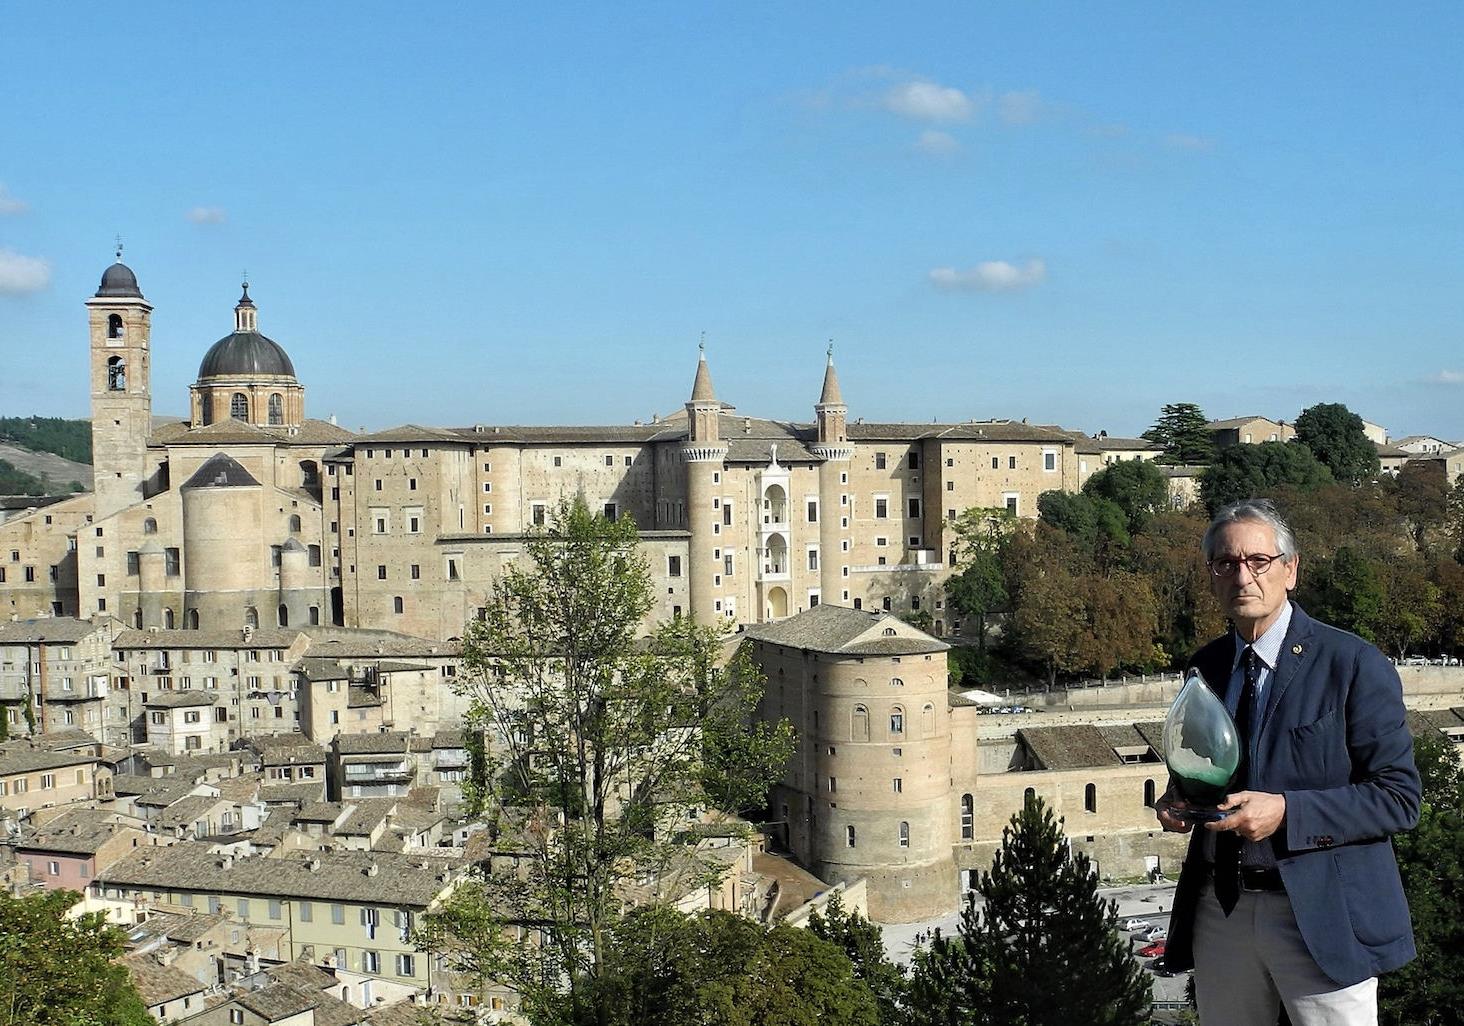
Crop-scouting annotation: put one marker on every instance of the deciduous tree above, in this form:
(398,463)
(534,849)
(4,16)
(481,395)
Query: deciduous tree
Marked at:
(1336,436)
(1252,471)
(1135,486)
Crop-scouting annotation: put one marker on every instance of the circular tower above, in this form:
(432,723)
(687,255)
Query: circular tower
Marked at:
(226,573)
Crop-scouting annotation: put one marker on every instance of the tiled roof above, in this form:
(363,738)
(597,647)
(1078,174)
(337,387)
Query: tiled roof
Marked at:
(221,471)
(311,432)
(320,812)
(48,629)
(366,814)
(277,1001)
(379,743)
(352,643)
(411,433)
(280,794)
(77,832)
(263,637)
(1116,444)
(612,434)
(301,974)
(407,880)
(838,629)
(1076,746)
(322,669)
(159,983)
(968,431)
(1235,422)
(21,757)
(181,699)
(185,811)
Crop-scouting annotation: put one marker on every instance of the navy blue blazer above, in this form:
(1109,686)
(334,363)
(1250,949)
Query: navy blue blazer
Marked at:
(1334,740)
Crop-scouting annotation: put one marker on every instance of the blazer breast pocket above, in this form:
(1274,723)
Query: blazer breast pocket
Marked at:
(1315,747)
(1321,725)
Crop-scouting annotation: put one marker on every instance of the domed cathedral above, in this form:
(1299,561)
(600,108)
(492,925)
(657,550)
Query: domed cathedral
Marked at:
(209,523)
(246,376)
(867,794)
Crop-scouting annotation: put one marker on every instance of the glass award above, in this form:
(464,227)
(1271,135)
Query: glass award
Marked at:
(1201,749)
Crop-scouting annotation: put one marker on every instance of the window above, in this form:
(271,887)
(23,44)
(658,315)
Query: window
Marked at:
(859,729)
(879,461)
(158,718)
(540,513)
(338,914)
(239,406)
(1148,794)
(276,409)
(487,509)
(849,835)
(813,559)
(914,509)
(968,818)
(885,603)
(453,573)
(950,486)
(612,510)
(371,962)
(1011,463)
(881,507)
(833,785)
(1049,459)
(813,511)
(416,572)
(727,562)
(236,1015)
(274,909)
(673,566)
(897,721)
(406,965)
(134,565)
(904,834)
(1010,500)
(191,716)
(1090,798)
(927,720)
(381,572)
(397,606)
(48,781)
(314,551)
(898,784)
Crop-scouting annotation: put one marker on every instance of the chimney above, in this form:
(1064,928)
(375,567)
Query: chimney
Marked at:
(313,865)
(372,869)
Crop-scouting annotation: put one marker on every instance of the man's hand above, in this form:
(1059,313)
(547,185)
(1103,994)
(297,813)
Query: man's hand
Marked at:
(1165,808)
(1254,815)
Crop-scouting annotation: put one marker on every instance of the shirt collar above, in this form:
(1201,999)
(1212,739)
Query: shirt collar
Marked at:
(1268,645)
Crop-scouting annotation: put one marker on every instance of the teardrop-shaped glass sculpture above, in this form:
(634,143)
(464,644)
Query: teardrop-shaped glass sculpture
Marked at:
(1201,745)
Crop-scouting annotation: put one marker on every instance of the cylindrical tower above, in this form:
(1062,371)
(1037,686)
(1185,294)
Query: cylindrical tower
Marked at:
(152,582)
(296,593)
(705,455)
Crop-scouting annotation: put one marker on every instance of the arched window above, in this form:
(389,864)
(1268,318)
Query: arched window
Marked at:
(149,526)
(849,836)
(309,473)
(239,406)
(315,616)
(927,721)
(168,619)
(1029,796)
(860,729)
(1090,798)
(896,682)
(294,523)
(276,409)
(191,617)
(968,818)
(889,632)
(207,405)
(897,721)
(1148,794)
(284,615)
(904,834)
(116,374)
(251,617)
(115,328)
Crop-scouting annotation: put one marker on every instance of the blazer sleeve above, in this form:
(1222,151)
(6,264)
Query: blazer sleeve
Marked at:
(1383,791)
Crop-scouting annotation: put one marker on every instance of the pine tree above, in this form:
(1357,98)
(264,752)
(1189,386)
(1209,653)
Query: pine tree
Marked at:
(1044,950)
(1181,430)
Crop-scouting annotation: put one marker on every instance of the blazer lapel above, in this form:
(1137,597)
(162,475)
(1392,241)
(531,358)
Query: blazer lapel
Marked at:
(1295,653)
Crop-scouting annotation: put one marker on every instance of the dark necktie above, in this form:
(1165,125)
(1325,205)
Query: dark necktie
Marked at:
(1227,844)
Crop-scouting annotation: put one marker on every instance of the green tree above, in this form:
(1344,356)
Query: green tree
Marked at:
(1335,435)
(1098,524)
(863,942)
(69,439)
(1429,991)
(608,736)
(1422,497)
(1344,591)
(1251,471)
(1044,949)
(664,968)
(62,970)
(1167,553)
(1135,486)
(1410,610)
(1181,429)
(978,589)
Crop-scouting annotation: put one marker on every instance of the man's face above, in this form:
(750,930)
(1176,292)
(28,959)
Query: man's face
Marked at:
(1253,601)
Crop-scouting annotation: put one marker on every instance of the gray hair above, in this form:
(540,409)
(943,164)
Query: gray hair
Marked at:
(1261,511)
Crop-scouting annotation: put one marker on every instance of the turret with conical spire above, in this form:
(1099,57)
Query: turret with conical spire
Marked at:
(832,446)
(705,454)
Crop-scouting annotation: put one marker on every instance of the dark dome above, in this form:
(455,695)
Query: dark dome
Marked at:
(245,353)
(118,282)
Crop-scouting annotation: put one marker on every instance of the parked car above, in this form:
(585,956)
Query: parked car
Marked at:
(1159,967)
(1416,661)
(1136,924)
(1153,933)
(1153,950)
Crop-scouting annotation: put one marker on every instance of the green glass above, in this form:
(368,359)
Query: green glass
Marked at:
(1201,748)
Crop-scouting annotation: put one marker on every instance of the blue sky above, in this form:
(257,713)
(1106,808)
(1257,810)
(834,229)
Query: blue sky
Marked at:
(524,213)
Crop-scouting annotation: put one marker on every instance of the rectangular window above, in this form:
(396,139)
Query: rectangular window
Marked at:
(950,486)
(913,460)
(381,572)
(397,605)
(673,566)
(813,511)
(540,512)
(416,571)
(306,911)
(1011,463)
(378,484)
(881,507)
(995,463)
(879,461)
(133,565)
(48,781)
(727,513)
(727,563)
(1049,459)
(1009,500)
(406,965)
(612,510)
(274,909)
(371,963)
(813,559)
(337,914)
(914,508)
(898,783)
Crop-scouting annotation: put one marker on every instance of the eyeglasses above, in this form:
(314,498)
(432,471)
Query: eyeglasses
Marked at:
(1256,564)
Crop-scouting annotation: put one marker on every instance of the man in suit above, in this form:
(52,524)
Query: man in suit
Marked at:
(1293,899)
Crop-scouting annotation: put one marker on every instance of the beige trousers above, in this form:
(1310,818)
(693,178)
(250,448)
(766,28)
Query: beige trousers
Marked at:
(1250,964)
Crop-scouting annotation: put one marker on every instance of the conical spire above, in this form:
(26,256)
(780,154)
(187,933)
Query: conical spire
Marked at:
(701,388)
(830,395)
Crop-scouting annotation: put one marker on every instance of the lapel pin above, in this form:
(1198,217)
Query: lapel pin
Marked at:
(1296,650)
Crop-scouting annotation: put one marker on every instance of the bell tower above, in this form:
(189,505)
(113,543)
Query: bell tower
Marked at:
(120,321)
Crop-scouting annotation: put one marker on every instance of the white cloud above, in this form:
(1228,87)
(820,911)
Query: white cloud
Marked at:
(926,101)
(991,276)
(1184,141)
(9,204)
(21,275)
(1020,107)
(1449,377)
(207,215)
(936,143)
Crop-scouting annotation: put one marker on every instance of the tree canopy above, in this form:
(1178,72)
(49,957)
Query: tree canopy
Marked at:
(1136,487)
(596,738)
(1246,471)
(1181,429)
(69,439)
(1335,435)
(57,970)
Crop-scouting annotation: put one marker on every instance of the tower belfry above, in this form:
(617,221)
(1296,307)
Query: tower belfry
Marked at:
(120,322)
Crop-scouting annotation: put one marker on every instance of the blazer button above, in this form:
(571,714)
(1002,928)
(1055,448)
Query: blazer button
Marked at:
(1325,842)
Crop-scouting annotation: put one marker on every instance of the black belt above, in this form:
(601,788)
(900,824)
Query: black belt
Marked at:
(1254,878)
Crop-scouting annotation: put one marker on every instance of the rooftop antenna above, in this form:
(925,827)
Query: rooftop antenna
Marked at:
(119,249)
(702,345)
(831,350)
